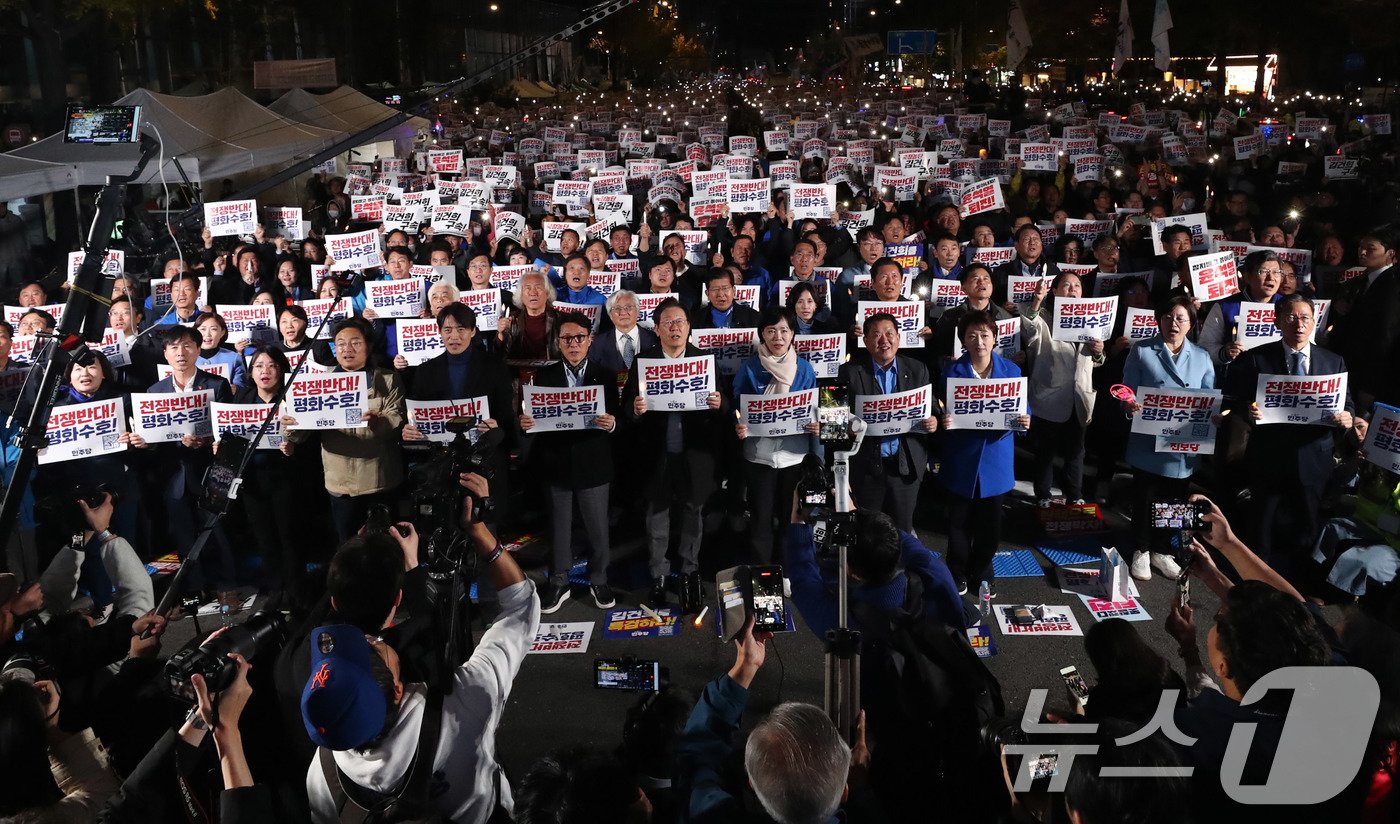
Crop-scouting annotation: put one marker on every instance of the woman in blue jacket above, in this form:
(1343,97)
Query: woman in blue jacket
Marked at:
(1173,362)
(213,350)
(977,464)
(772,465)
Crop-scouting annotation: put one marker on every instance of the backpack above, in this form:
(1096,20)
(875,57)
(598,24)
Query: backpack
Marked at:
(927,683)
(410,805)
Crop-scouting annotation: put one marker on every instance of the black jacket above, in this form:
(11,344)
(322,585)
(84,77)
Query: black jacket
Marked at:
(742,317)
(702,434)
(582,459)
(858,374)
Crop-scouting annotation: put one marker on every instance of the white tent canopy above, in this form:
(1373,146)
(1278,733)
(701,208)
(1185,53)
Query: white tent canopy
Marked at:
(213,136)
(20,177)
(347,110)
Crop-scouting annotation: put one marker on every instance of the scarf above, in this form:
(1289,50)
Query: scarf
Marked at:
(782,370)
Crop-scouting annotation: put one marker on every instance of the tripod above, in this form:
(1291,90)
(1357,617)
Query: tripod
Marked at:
(842,658)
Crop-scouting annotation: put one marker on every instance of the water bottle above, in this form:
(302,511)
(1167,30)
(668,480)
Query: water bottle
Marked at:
(984,600)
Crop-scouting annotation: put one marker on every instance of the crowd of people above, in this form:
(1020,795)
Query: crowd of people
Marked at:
(901,267)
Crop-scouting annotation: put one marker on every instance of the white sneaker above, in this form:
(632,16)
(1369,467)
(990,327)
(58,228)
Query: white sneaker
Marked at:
(1166,565)
(1141,568)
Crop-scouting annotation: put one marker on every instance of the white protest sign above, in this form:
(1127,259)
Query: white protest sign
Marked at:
(405,218)
(509,225)
(1382,446)
(553,232)
(730,347)
(982,196)
(894,414)
(1213,276)
(1039,157)
(1195,222)
(555,639)
(694,244)
(367,208)
(647,303)
(1177,414)
(316,312)
(1054,620)
(1254,326)
(224,218)
(813,201)
(328,400)
(1249,146)
(241,320)
(358,250)
(749,195)
(826,353)
(1140,324)
(244,420)
(113,263)
(430,418)
(418,339)
(677,384)
(487,305)
(992,404)
(909,314)
(614,208)
(1306,399)
(395,298)
(769,416)
(560,409)
(1084,319)
(994,256)
(219,370)
(573,193)
(285,222)
(84,430)
(115,347)
(445,161)
(1089,167)
(170,416)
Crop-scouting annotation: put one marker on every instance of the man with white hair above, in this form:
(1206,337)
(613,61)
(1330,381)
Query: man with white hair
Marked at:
(797,763)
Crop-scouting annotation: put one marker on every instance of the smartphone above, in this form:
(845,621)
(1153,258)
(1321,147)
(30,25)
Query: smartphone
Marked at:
(1075,682)
(769,608)
(219,488)
(1139,221)
(833,418)
(626,674)
(1179,514)
(1044,765)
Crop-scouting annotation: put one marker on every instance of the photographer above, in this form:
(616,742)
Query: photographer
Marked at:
(50,775)
(357,706)
(103,564)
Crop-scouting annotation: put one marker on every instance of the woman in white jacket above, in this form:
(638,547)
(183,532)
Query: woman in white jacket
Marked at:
(1061,390)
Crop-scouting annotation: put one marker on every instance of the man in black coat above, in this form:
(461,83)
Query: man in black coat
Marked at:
(609,350)
(887,471)
(577,464)
(685,445)
(722,312)
(1367,327)
(1288,464)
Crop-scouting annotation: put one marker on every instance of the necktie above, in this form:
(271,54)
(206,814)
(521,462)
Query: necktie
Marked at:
(1298,364)
(629,351)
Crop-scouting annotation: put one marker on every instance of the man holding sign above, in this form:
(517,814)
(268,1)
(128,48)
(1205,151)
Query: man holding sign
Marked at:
(1289,464)
(685,443)
(887,471)
(1263,275)
(577,462)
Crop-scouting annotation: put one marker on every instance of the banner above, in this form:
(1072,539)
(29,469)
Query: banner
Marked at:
(169,416)
(395,298)
(1083,319)
(557,409)
(1255,325)
(826,353)
(1382,446)
(992,404)
(487,305)
(431,417)
(776,415)
(677,384)
(332,400)
(84,430)
(1185,415)
(909,314)
(316,311)
(244,420)
(1300,398)
(1141,324)
(983,196)
(359,250)
(225,218)
(895,414)
(242,320)
(419,340)
(1213,276)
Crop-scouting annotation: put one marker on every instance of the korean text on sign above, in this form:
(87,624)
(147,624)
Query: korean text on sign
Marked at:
(1300,398)
(986,404)
(560,409)
(677,384)
(334,400)
(774,415)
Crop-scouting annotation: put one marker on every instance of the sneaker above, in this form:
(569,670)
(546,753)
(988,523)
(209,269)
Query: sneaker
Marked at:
(657,600)
(962,585)
(1166,565)
(554,598)
(602,596)
(1142,566)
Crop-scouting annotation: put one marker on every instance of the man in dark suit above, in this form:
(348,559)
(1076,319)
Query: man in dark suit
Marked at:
(1288,464)
(887,471)
(179,468)
(1030,261)
(618,343)
(682,474)
(723,312)
(577,465)
(1367,327)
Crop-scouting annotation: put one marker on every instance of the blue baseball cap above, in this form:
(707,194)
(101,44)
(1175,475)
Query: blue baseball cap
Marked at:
(342,706)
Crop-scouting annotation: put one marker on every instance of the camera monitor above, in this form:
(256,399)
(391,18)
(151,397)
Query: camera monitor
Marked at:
(103,124)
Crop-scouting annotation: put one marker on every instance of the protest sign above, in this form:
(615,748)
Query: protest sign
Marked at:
(749,195)
(783,173)
(1140,324)
(22,347)
(445,161)
(553,232)
(986,404)
(562,409)
(554,639)
(84,430)
(242,320)
(316,311)
(285,222)
(1039,157)
(406,218)
(1382,446)
(367,208)
(605,282)
(677,384)
(647,303)
(1335,167)
(358,250)
(945,293)
(419,340)
(994,256)
(826,353)
(776,140)
(777,415)
(1053,620)
(1195,222)
(694,244)
(730,347)
(13,314)
(508,277)
(614,208)
(169,416)
(113,263)
(1084,319)
(430,418)
(244,420)
(894,414)
(1180,414)
(114,346)
(333,400)
(634,623)
(1254,325)
(909,314)
(1307,399)
(220,370)
(813,201)
(1087,231)
(983,196)
(509,225)
(1213,276)
(487,305)
(395,298)
(1089,167)
(224,218)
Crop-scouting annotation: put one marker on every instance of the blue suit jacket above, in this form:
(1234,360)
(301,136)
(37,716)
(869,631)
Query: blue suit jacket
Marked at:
(1151,366)
(186,466)
(978,464)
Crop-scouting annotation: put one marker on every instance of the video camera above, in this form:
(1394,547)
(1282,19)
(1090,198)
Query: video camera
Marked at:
(210,659)
(436,491)
(61,508)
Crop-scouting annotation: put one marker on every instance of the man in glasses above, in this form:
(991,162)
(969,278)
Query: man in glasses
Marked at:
(616,347)
(871,247)
(1263,275)
(1288,464)
(578,464)
(681,448)
(723,312)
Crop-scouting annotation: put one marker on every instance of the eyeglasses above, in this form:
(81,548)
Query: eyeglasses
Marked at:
(624,309)
(356,343)
(1297,320)
(572,340)
(673,324)
(1263,272)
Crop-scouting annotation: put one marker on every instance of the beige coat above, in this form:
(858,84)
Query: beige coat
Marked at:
(1061,374)
(368,459)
